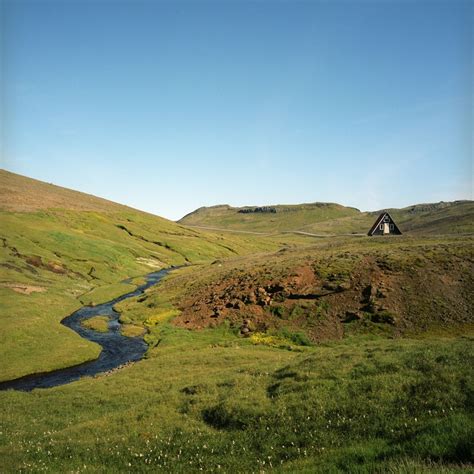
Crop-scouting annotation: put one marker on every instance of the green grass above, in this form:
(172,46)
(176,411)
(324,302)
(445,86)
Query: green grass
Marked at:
(213,401)
(131,330)
(97,323)
(102,294)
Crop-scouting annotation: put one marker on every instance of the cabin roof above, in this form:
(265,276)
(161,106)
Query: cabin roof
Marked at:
(379,220)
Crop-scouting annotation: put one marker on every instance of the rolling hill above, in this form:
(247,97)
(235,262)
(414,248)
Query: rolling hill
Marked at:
(327,218)
(266,219)
(61,248)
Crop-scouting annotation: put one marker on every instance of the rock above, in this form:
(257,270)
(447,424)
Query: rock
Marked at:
(329,285)
(370,307)
(275,288)
(352,316)
(368,293)
(381,293)
(384,317)
(264,301)
(251,299)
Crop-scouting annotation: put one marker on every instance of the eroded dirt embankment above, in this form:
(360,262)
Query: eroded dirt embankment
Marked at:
(328,298)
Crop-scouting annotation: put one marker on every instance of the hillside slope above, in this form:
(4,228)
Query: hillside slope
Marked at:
(61,248)
(267,218)
(326,218)
(334,288)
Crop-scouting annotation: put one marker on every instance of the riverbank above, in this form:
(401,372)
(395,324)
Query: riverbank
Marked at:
(116,349)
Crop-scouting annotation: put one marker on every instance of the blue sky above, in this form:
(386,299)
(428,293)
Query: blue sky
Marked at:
(171,105)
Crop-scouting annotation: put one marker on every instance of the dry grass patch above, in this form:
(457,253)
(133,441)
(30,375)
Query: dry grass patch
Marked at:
(23,288)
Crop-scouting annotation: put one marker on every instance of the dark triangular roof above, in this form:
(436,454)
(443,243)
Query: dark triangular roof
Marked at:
(380,219)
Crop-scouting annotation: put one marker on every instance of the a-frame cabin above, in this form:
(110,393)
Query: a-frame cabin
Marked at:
(384,225)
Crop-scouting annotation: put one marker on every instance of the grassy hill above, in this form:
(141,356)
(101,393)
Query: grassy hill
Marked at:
(271,219)
(326,218)
(62,248)
(329,290)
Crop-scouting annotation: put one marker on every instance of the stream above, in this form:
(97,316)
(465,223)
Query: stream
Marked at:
(116,349)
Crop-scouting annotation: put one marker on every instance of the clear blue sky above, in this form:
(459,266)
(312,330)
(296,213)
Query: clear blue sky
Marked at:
(172,105)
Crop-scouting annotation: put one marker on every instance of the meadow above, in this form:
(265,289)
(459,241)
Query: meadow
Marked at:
(212,401)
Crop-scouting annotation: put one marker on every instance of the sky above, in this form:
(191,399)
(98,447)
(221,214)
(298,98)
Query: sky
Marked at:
(168,106)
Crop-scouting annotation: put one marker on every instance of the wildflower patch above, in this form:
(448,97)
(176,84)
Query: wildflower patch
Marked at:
(161,317)
(260,338)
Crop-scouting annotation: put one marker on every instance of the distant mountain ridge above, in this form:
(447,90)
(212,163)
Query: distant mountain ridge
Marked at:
(332,218)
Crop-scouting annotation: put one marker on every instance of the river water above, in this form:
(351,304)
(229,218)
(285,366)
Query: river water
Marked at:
(116,349)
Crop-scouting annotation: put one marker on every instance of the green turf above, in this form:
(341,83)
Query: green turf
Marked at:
(213,401)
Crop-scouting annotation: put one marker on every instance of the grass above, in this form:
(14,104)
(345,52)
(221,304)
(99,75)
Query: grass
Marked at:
(131,330)
(102,294)
(360,405)
(97,323)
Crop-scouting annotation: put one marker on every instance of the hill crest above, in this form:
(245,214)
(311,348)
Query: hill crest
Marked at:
(23,194)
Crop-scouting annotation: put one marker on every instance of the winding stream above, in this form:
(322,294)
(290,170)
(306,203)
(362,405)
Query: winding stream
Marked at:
(116,349)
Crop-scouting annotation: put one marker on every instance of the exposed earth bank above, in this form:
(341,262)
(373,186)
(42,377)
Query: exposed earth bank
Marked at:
(403,287)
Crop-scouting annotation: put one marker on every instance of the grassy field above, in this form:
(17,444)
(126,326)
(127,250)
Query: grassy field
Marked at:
(212,401)
(282,353)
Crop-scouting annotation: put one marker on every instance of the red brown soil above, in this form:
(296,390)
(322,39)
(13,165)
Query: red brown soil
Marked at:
(399,299)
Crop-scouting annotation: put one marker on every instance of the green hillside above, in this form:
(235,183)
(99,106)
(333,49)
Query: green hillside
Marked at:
(326,218)
(273,218)
(62,248)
